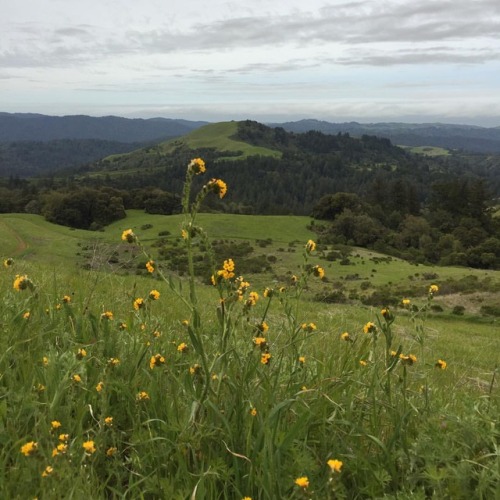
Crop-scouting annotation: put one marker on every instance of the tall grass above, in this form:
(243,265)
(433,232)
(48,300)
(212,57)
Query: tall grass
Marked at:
(114,387)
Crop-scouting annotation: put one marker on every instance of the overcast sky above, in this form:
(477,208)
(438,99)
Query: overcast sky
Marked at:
(366,60)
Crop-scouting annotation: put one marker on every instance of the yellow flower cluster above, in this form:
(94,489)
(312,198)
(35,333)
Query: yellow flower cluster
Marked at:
(217,186)
(196,166)
(129,236)
(319,272)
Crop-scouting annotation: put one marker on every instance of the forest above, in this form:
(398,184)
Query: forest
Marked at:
(360,191)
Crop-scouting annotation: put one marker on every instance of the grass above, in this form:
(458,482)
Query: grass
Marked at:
(428,150)
(178,398)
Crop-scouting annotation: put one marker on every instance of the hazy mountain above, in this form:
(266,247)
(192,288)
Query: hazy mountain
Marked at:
(36,127)
(461,137)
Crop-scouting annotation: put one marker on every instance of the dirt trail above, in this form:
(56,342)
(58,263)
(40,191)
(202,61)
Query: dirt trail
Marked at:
(21,244)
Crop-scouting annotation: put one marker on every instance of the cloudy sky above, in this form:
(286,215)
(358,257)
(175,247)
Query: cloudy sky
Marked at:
(365,60)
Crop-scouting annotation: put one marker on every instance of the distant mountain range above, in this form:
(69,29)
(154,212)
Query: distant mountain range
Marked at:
(35,127)
(460,137)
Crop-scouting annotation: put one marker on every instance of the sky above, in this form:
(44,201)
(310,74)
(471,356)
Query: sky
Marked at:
(271,61)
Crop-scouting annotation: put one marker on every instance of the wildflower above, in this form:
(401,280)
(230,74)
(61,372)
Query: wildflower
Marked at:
(113,362)
(150,266)
(8,262)
(253,297)
(154,294)
(47,471)
(260,342)
(40,388)
(218,186)
(129,236)
(227,271)
(22,282)
(369,327)
(262,327)
(197,166)
(138,303)
(362,362)
(319,272)
(265,358)
(58,307)
(63,437)
(45,361)
(89,447)
(215,376)
(182,347)
(345,336)
(122,326)
(108,421)
(302,359)
(405,302)
(142,396)
(193,370)
(310,246)
(268,293)
(335,465)
(29,448)
(156,334)
(293,279)
(99,387)
(156,360)
(246,498)
(308,327)
(408,359)
(282,289)
(433,289)
(185,322)
(386,313)
(66,299)
(184,234)
(76,378)
(302,482)
(111,451)
(82,353)
(253,412)
(55,424)
(26,315)
(107,315)
(441,364)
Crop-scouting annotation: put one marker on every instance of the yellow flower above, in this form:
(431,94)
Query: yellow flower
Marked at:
(408,359)
(82,353)
(182,347)
(45,361)
(268,292)
(308,327)
(246,498)
(433,289)
(122,326)
(369,327)
(260,342)
(76,378)
(265,358)
(406,302)
(89,447)
(386,313)
(302,482)
(345,336)
(8,262)
(335,465)
(217,186)
(263,327)
(441,364)
(113,362)
(22,282)
(138,303)
(150,266)
(196,166)
(154,294)
(156,360)
(185,322)
(29,448)
(66,299)
(302,359)
(142,396)
(63,437)
(40,388)
(48,471)
(319,272)
(99,387)
(253,297)
(362,362)
(129,236)
(310,246)
(107,315)
(193,370)
(26,315)
(108,421)
(253,412)
(184,234)
(55,424)
(111,451)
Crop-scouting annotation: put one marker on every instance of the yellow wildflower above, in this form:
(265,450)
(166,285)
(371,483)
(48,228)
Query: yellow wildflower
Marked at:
(302,482)
(263,327)
(362,362)
(111,451)
(308,327)
(89,447)
(22,282)
(107,315)
(82,353)
(319,272)
(253,412)
(184,234)
(182,347)
(66,299)
(108,421)
(26,315)
(45,361)
(129,236)
(142,396)
(196,166)
(47,471)
(260,342)
(113,362)
(8,262)
(99,387)
(441,364)
(138,303)
(154,294)
(150,266)
(55,424)
(335,465)
(369,327)
(302,359)
(156,360)
(265,358)
(433,289)
(76,378)
(406,302)
(218,186)
(253,297)
(310,246)
(345,336)
(29,448)
(63,437)
(268,292)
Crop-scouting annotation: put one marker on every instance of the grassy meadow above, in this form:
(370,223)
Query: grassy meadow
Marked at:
(136,363)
